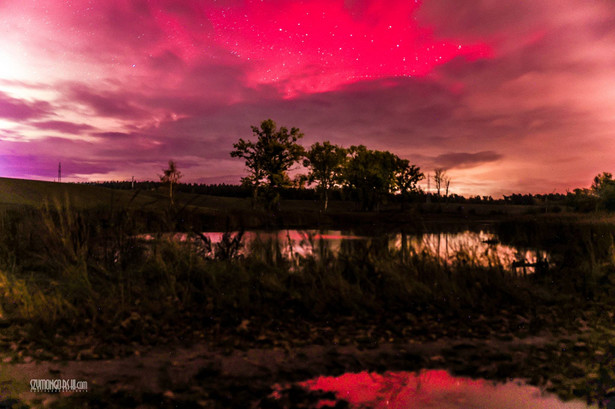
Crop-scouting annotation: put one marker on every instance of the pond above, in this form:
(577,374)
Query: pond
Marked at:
(481,247)
(428,389)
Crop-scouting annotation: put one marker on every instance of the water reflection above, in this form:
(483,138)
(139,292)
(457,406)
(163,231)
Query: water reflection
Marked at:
(479,247)
(434,389)
(295,242)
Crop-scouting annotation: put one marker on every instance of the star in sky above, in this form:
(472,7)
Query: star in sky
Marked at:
(508,96)
(327,43)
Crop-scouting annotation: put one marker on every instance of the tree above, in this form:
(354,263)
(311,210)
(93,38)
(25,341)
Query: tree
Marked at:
(601,181)
(370,174)
(439,179)
(269,158)
(326,163)
(171,176)
(582,200)
(603,187)
(406,178)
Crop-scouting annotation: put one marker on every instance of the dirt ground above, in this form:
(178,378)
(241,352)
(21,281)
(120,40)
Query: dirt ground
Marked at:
(202,376)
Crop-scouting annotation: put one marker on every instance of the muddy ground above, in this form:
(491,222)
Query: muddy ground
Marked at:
(236,368)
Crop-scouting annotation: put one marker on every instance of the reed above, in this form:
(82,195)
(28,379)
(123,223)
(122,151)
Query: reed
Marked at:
(94,269)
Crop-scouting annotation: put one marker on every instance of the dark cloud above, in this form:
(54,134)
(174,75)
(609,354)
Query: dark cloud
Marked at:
(43,163)
(62,126)
(45,166)
(105,103)
(465,160)
(19,110)
(166,61)
(112,136)
(40,160)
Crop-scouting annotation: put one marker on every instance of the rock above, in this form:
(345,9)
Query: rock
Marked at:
(243,327)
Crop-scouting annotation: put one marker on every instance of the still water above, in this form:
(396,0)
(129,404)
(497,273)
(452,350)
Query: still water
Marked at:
(478,246)
(433,389)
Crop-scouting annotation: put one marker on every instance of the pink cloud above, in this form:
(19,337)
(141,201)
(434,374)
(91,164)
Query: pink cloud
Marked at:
(18,109)
(329,43)
(529,92)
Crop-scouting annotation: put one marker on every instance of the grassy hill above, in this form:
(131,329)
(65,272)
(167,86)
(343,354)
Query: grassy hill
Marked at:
(210,212)
(23,192)
(215,212)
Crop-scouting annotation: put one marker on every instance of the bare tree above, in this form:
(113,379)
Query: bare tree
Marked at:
(171,176)
(439,179)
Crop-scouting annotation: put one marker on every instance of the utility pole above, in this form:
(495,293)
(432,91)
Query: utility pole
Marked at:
(59,172)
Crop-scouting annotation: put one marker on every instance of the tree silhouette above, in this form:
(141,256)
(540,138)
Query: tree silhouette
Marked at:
(171,176)
(603,187)
(326,163)
(439,179)
(601,181)
(406,178)
(269,158)
(371,174)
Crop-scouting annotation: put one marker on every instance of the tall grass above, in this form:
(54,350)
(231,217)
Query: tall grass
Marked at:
(583,252)
(93,269)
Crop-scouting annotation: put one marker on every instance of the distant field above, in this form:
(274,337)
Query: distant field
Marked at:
(22,192)
(217,211)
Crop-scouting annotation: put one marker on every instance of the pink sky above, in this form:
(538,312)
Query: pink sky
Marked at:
(508,96)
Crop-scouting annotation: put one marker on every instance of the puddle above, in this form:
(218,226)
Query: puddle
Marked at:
(431,389)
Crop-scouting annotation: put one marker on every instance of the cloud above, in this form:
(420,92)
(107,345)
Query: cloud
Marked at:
(111,135)
(45,167)
(466,160)
(105,103)
(151,81)
(40,160)
(18,110)
(62,126)
(346,41)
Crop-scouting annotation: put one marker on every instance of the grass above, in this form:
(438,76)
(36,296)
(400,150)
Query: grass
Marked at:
(92,269)
(212,211)
(81,267)
(70,259)
(21,192)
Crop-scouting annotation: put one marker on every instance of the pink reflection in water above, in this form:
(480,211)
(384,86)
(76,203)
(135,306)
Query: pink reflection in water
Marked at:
(434,389)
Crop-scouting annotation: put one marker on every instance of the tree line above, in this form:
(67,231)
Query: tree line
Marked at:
(369,175)
(372,175)
(364,175)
